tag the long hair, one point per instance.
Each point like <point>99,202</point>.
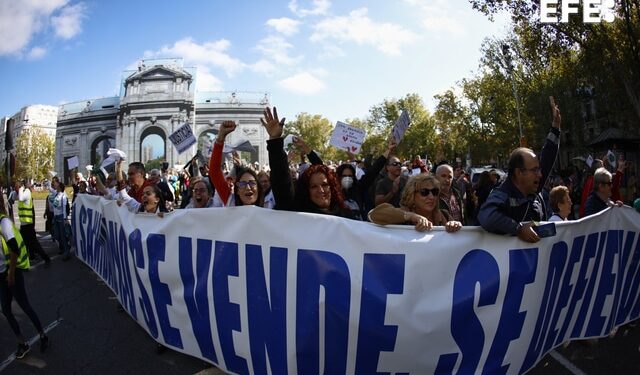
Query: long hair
<point>162,204</point>
<point>303,199</point>
<point>239,172</point>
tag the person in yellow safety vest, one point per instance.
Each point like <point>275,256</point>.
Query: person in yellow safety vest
<point>14,260</point>
<point>27,216</point>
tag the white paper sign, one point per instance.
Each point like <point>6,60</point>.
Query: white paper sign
<point>401,126</point>
<point>347,137</point>
<point>589,161</point>
<point>611,157</point>
<point>183,138</point>
<point>73,162</point>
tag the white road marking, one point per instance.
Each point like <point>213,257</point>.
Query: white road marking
<point>31,341</point>
<point>566,363</point>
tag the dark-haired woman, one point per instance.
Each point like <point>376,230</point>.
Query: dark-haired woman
<point>317,189</point>
<point>152,201</point>
<point>246,189</point>
<point>354,190</point>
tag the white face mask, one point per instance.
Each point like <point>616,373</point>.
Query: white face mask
<point>347,182</point>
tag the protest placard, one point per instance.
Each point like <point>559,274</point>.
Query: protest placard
<point>183,138</point>
<point>401,126</point>
<point>347,137</point>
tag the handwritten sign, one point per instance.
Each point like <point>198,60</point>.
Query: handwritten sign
<point>183,138</point>
<point>73,162</point>
<point>401,126</point>
<point>347,137</point>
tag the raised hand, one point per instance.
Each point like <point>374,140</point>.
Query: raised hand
<point>271,123</point>
<point>225,128</point>
<point>391,146</point>
<point>555,113</point>
<point>301,145</point>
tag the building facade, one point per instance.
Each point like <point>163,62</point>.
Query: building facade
<point>155,100</point>
<point>38,115</point>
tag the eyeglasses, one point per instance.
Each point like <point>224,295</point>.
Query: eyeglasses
<point>532,170</point>
<point>395,164</point>
<point>200,190</point>
<point>244,184</point>
<point>425,192</point>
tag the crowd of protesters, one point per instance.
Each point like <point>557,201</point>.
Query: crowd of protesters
<point>385,190</point>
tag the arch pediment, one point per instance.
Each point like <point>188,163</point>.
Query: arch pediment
<point>159,72</point>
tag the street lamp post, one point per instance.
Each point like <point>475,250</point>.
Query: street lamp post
<point>509,61</point>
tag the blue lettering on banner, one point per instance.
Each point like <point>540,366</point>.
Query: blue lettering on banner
<point>631,285</point>
<point>586,303</point>
<point>382,274</point>
<point>161,293</point>
<point>82,240</point>
<point>127,296</point>
<point>566,288</point>
<point>267,309</point>
<point>622,267</point>
<point>605,285</point>
<point>135,246</point>
<point>522,266</point>
<point>318,270</point>
<point>196,296</point>
<point>225,264</point>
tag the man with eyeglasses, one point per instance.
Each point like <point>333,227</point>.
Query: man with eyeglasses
<point>389,188</point>
<point>600,197</point>
<point>512,207</point>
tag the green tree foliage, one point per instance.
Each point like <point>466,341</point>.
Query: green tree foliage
<point>608,54</point>
<point>154,163</point>
<point>420,138</point>
<point>35,154</point>
<point>314,129</point>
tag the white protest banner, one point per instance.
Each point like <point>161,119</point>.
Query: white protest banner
<point>183,138</point>
<point>347,137</point>
<point>73,162</point>
<point>401,126</point>
<point>363,299</point>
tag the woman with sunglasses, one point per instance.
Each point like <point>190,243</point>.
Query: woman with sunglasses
<point>247,191</point>
<point>317,190</point>
<point>418,206</point>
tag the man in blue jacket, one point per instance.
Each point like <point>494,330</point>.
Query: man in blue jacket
<point>512,207</point>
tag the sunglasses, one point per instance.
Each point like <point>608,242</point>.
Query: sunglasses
<point>425,192</point>
<point>396,164</point>
<point>244,184</point>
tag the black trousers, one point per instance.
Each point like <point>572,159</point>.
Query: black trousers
<point>19,293</point>
<point>28,232</point>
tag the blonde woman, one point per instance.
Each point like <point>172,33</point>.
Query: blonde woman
<point>418,206</point>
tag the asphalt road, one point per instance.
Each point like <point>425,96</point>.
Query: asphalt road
<point>90,336</point>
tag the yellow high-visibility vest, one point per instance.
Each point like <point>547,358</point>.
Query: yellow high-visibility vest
<point>23,257</point>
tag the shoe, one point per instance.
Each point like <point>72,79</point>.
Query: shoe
<point>47,264</point>
<point>66,257</point>
<point>44,343</point>
<point>23,349</point>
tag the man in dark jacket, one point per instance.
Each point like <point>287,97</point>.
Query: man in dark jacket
<point>512,207</point>
<point>600,197</point>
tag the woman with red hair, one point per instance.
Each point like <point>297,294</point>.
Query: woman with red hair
<point>317,189</point>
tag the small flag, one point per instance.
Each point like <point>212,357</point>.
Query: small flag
<point>611,157</point>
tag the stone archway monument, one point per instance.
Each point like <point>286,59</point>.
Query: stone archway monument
<point>156,99</point>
